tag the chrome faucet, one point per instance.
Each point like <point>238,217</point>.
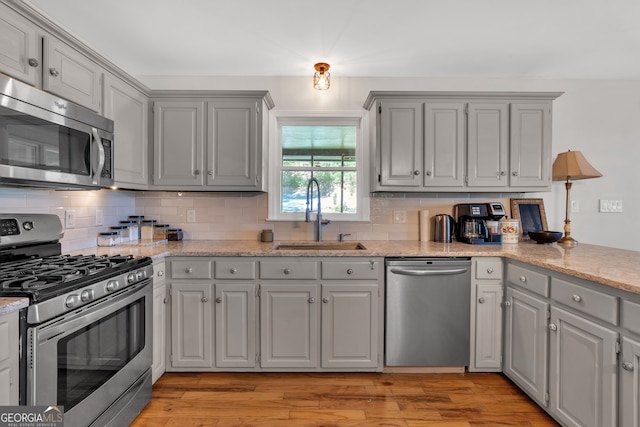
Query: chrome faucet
<point>319,222</point>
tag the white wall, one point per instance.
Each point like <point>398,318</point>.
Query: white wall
<point>598,117</point>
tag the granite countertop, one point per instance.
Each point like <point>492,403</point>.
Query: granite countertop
<point>608,266</point>
<point>10,304</point>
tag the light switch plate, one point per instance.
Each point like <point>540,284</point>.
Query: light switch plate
<point>99,217</point>
<point>191,215</point>
<point>69,218</point>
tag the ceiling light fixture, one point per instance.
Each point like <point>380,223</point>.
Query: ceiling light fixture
<point>321,78</point>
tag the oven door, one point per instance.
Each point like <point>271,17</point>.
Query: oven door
<point>90,358</point>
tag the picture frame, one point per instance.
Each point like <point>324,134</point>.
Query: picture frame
<point>531,214</point>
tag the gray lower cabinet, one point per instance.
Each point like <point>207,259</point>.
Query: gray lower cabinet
<point>284,313</point>
<point>525,343</point>
<point>9,358</point>
<point>630,383</point>
<point>159,320</point>
<point>582,371</point>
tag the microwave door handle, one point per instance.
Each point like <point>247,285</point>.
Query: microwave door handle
<point>101,156</point>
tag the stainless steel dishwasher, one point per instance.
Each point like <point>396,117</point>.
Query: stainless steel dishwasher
<point>427,311</point>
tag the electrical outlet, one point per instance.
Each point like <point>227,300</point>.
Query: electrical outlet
<point>99,217</point>
<point>69,218</point>
<point>191,215</point>
<point>611,206</point>
<point>575,206</point>
<point>399,217</point>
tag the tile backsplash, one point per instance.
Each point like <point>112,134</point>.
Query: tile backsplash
<point>225,216</point>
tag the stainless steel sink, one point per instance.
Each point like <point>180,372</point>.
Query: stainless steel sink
<point>322,246</point>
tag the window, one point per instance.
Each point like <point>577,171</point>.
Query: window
<point>329,149</point>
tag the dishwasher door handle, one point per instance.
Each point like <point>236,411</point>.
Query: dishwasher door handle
<point>428,272</point>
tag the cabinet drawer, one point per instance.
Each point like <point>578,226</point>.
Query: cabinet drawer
<point>350,270</point>
<point>589,301</point>
<point>631,316</point>
<point>528,279</point>
<point>489,269</point>
<point>289,270</point>
<point>191,269</point>
<point>235,270</point>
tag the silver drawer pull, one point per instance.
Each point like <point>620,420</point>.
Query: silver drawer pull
<point>523,279</point>
<point>490,270</point>
<point>325,300</point>
<point>161,273</point>
<point>350,271</point>
<point>54,72</point>
<point>312,300</point>
<point>219,300</point>
<point>205,299</point>
<point>233,270</point>
<point>507,303</point>
<point>627,366</point>
<point>33,62</point>
<point>576,298</point>
<point>287,271</point>
<point>189,270</point>
<point>481,300</point>
<point>553,327</point>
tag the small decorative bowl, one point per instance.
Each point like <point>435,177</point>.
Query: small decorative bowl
<point>545,236</point>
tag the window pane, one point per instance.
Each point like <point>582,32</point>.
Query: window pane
<point>337,189</point>
<point>322,145</point>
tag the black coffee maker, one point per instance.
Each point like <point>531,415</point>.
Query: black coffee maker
<point>471,222</point>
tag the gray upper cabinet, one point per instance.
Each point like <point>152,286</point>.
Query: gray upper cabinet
<point>462,141</point>
<point>21,47</point>
<point>128,108</point>
<point>71,75</point>
<point>209,141</point>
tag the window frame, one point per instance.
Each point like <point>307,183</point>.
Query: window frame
<point>311,118</point>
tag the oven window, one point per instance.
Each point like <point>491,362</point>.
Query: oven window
<point>92,355</point>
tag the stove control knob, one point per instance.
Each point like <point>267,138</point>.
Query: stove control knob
<point>112,286</point>
<point>140,275</point>
<point>27,225</point>
<point>131,277</point>
<point>86,295</point>
<point>72,301</point>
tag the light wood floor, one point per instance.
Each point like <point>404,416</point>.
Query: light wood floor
<point>330,399</point>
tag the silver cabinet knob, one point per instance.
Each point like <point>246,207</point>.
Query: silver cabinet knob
<point>325,300</point>
<point>233,270</point>
<point>553,327</point>
<point>188,270</point>
<point>164,301</point>
<point>287,271</point>
<point>54,72</point>
<point>523,279</point>
<point>350,271</point>
<point>219,300</point>
<point>416,173</point>
<point>428,173</point>
<point>502,173</point>
<point>490,270</point>
<point>627,366</point>
<point>210,172</point>
<point>205,299</point>
<point>514,173</point>
<point>507,303</point>
<point>33,62</point>
<point>481,300</point>
<point>312,300</point>
<point>196,172</point>
<point>576,298</point>
<point>161,273</point>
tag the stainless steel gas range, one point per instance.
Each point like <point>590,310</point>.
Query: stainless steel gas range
<point>86,334</point>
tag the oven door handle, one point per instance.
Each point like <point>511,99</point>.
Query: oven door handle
<point>86,315</point>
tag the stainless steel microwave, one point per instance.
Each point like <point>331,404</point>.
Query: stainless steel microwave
<point>47,141</point>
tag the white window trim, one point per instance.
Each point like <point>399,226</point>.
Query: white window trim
<point>360,120</point>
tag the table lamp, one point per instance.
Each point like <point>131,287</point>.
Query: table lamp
<point>567,167</point>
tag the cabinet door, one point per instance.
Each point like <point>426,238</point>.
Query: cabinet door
<point>349,326</point>
<point>235,325</point>
<point>20,50</point>
<point>486,347</point>
<point>444,144</point>
<point>71,75</point>
<point>178,143</point>
<point>530,161</point>
<point>191,325</point>
<point>525,347</point>
<point>159,329</point>
<point>289,326</point>
<point>401,144</point>
<point>582,372</point>
<point>630,383</point>
<point>127,107</point>
<point>9,342</point>
<point>232,144</point>
<point>488,145</point>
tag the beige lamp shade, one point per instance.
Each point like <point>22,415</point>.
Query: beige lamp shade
<point>571,166</point>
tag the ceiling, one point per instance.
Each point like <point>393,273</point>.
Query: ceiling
<point>592,39</point>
